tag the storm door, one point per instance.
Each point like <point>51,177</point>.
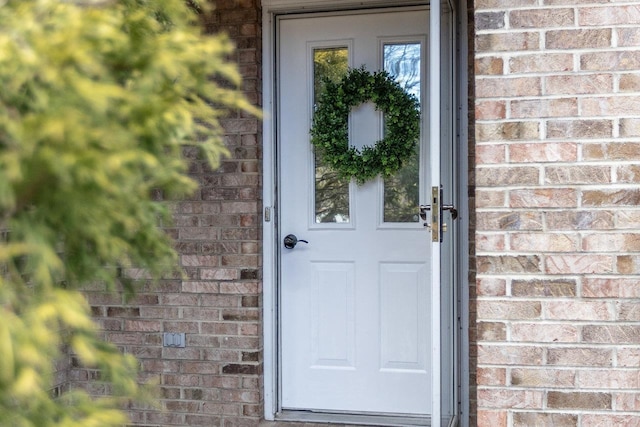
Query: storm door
<point>355,261</point>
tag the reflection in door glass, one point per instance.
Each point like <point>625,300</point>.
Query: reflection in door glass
<point>401,191</point>
<point>331,192</point>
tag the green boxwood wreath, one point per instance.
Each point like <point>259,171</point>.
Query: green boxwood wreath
<point>330,129</point>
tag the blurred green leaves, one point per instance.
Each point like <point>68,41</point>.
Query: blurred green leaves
<point>98,99</point>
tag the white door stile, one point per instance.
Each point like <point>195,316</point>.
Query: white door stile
<point>434,144</point>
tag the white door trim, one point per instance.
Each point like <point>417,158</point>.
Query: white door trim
<point>269,236</point>
<point>270,242</point>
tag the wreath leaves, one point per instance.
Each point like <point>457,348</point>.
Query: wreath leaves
<point>330,129</point>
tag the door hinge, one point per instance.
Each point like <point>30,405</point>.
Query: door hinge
<point>267,214</point>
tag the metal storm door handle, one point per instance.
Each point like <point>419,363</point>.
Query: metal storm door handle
<point>452,209</point>
<point>437,226</point>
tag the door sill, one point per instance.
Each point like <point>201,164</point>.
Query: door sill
<point>352,419</point>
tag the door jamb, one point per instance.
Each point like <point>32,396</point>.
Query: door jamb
<point>461,157</point>
<point>269,229</point>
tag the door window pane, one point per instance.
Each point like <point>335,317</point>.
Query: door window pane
<point>401,191</point>
<point>331,192</point>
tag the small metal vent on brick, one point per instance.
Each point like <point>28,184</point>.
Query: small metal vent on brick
<point>173,339</point>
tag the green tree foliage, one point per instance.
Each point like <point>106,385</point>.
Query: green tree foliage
<point>97,100</point>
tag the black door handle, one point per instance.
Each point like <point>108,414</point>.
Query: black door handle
<point>290,241</point>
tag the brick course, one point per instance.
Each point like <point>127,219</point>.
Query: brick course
<point>557,212</point>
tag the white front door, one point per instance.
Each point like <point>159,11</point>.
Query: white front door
<point>355,308</point>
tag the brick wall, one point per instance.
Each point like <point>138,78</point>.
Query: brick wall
<point>216,379</point>
<point>558,217</point>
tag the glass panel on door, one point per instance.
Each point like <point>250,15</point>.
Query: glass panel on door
<point>331,191</point>
<point>402,191</point>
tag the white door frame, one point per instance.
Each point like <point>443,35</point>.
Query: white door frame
<point>271,8</point>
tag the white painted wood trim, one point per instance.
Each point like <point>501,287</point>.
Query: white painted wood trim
<point>269,231</point>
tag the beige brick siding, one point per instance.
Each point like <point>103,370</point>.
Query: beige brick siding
<point>557,212</point>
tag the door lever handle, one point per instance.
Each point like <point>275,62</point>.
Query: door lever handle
<point>437,226</point>
<point>290,241</point>
<point>423,211</point>
<point>452,209</point>
<point>426,208</point>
